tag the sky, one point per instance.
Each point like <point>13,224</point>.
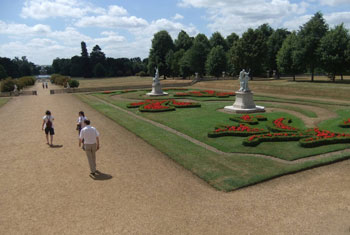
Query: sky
<point>43,30</point>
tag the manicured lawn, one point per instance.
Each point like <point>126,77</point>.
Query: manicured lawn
<point>222,172</point>
<point>197,122</point>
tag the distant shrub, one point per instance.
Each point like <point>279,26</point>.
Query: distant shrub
<point>73,83</point>
<point>7,85</point>
<point>141,74</point>
<point>59,79</point>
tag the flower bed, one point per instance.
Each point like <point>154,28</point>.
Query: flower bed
<point>323,137</point>
<point>127,91</point>
<point>345,123</point>
<point>108,92</point>
<point>161,105</point>
<point>205,93</point>
<point>280,125</point>
<point>249,119</point>
<point>240,130</point>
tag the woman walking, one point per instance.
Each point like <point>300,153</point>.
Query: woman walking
<point>48,127</point>
<point>80,121</point>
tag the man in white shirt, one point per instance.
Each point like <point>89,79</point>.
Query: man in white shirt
<point>91,144</point>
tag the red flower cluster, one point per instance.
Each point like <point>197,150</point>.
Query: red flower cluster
<point>161,104</point>
<point>107,92</point>
<point>240,128</point>
<point>347,122</point>
<point>324,134</point>
<point>279,124</point>
<point>157,105</point>
<point>246,118</point>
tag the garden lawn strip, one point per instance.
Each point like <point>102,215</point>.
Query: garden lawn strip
<point>3,101</point>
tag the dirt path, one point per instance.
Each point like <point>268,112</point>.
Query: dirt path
<point>48,191</point>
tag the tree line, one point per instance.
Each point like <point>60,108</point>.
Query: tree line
<point>96,64</point>
<point>17,67</point>
<point>313,48</point>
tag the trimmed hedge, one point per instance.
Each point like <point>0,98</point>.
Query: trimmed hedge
<point>345,123</point>
<point>272,137</point>
<point>240,130</point>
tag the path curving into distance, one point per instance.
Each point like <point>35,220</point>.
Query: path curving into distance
<point>47,190</point>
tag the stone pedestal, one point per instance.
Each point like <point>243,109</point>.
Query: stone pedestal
<point>244,104</point>
<point>156,90</point>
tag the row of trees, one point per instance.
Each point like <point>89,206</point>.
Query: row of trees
<point>96,64</point>
<point>16,67</point>
<point>313,47</point>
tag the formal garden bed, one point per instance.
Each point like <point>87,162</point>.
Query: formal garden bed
<point>277,134</point>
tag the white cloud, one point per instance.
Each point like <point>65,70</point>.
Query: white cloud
<point>109,21</point>
<point>334,2</point>
<point>23,30</point>
<point>229,16</point>
<point>178,17</point>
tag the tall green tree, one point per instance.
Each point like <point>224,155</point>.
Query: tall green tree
<point>311,34</point>
<point>217,39</point>
<point>3,73</point>
<point>99,70</point>
<point>97,56</point>
<point>162,43</point>
<point>87,69</point>
<point>274,44</point>
<point>76,69</point>
<point>249,52</point>
<point>231,39</point>
<point>216,62</point>
<point>197,55</point>
<point>332,51</point>
<point>183,41</point>
<point>290,57</point>
<point>185,65</point>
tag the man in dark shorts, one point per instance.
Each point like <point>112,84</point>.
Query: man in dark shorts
<point>48,127</point>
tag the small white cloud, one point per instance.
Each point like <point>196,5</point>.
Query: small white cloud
<point>178,17</point>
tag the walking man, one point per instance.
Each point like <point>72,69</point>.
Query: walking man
<point>91,144</point>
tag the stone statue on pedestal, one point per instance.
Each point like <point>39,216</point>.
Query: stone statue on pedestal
<point>243,81</point>
<point>156,87</point>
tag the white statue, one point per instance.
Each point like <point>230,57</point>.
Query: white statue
<point>243,81</point>
<point>156,76</point>
<point>15,88</point>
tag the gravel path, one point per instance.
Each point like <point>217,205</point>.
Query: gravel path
<point>47,190</point>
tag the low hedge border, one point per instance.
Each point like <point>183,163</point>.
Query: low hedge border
<point>249,119</point>
<point>240,130</point>
<point>316,142</point>
<point>272,137</point>
<point>345,123</point>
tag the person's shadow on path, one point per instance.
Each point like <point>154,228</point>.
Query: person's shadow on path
<point>102,176</point>
<point>56,146</point>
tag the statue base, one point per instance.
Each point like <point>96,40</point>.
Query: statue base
<point>244,104</point>
<point>156,90</point>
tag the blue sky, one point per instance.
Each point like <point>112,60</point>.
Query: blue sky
<point>45,29</point>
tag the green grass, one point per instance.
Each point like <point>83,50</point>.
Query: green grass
<point>305,112</point>
<point>332,124</point>
<point>225,173</point>
<point>3,101</point>
<point>197,122</point>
